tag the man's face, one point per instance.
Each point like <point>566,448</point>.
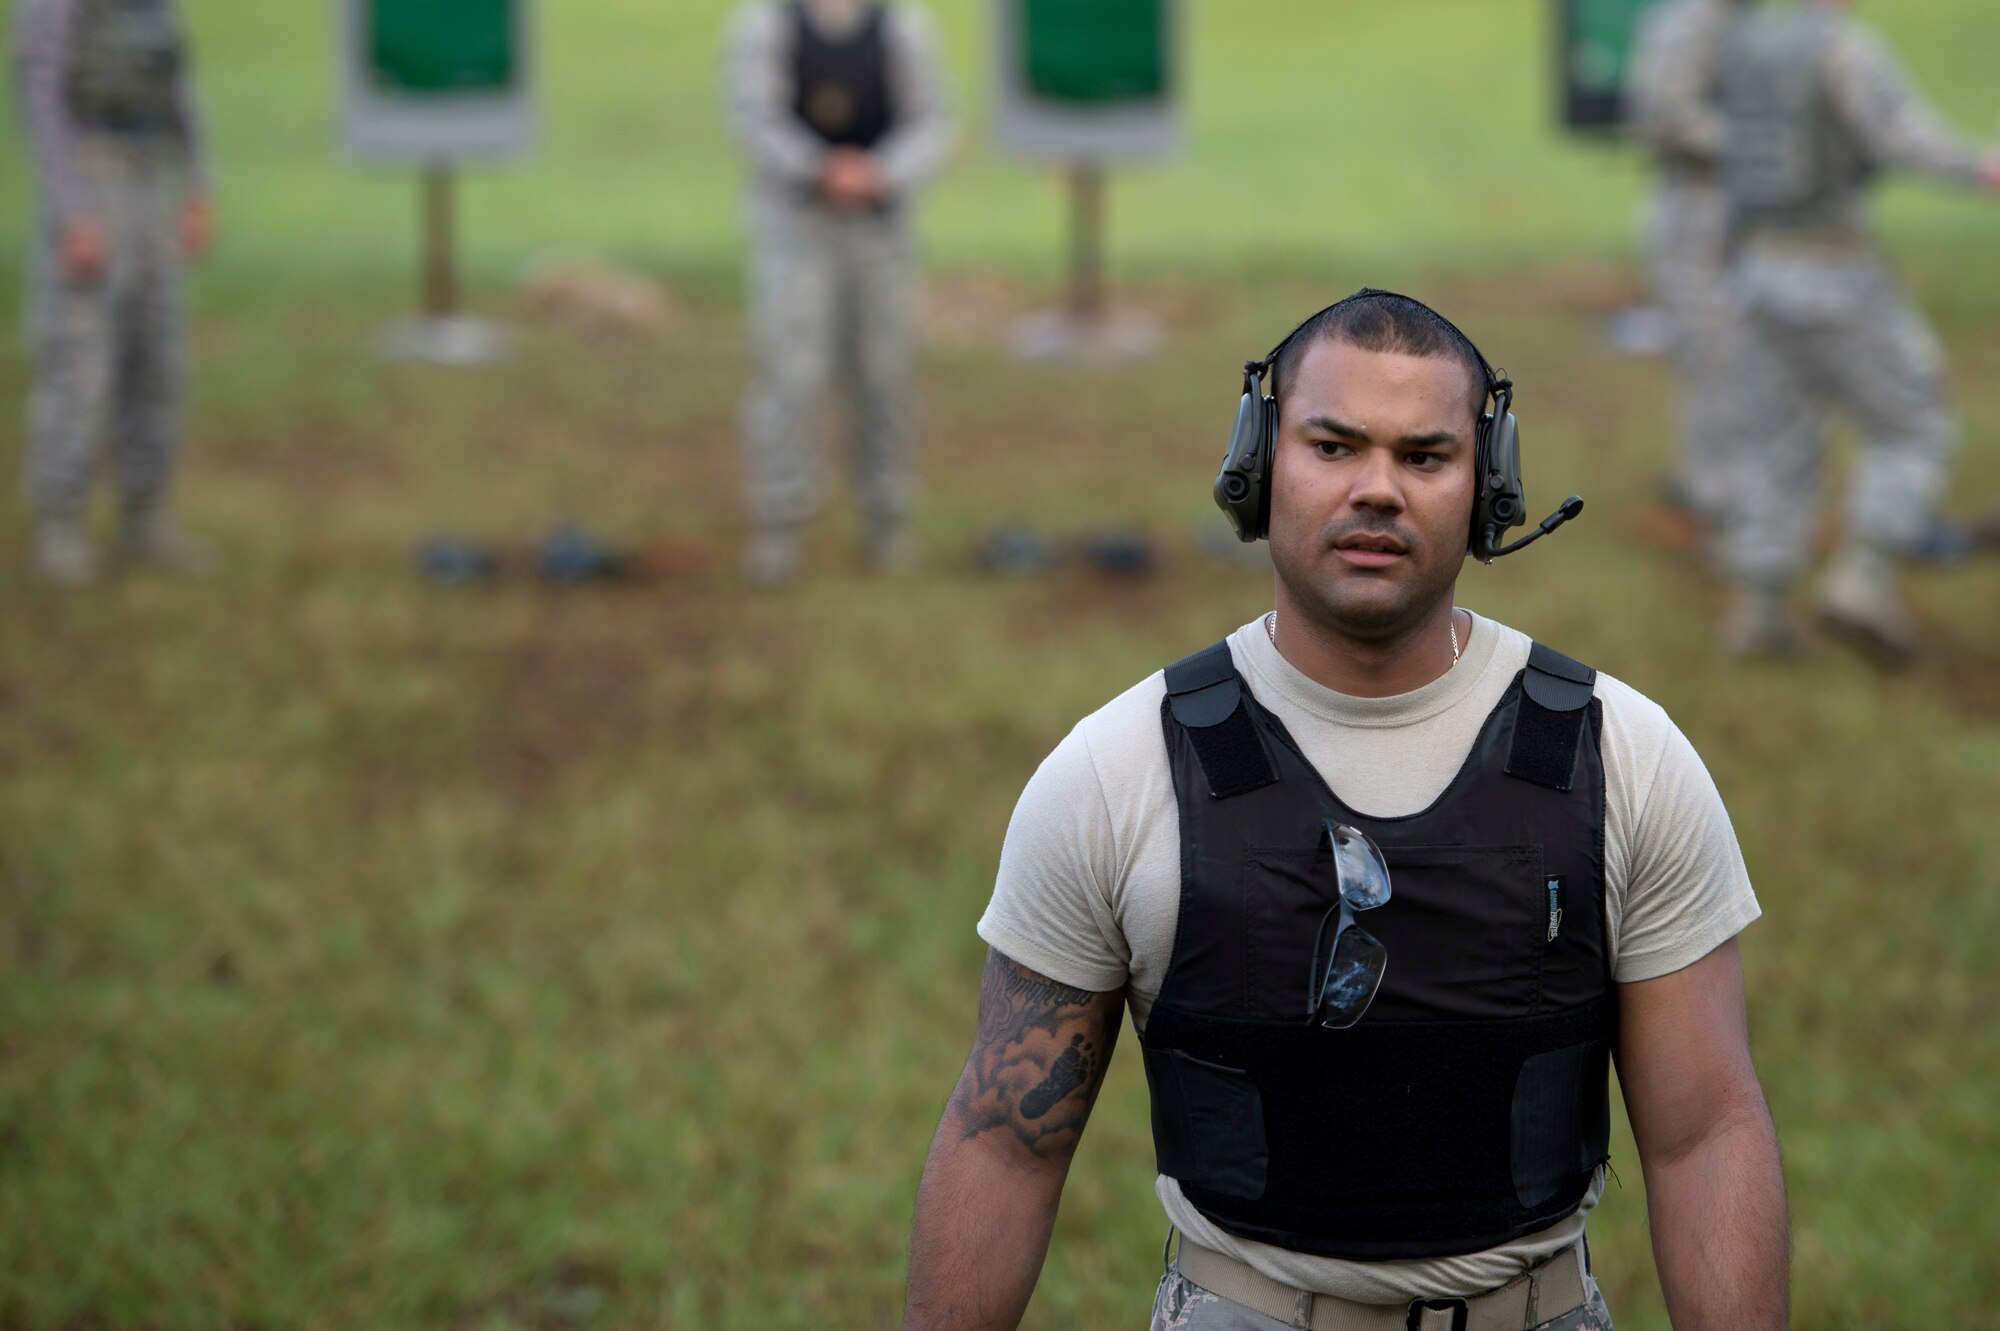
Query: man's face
<point>1371,485</point>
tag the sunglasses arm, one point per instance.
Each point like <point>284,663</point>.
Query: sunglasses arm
<point>1312,976</point>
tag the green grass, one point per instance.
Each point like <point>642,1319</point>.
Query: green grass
<point>377,955</point>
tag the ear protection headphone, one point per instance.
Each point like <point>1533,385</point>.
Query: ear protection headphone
<point>1243,486</point>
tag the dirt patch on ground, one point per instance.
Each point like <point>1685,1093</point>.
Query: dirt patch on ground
<point>581,672</point>
<point>314,471</point>
<point>1074,600</point>
<point>1961,672</point>
<point>595,299</point>
<point>976,308</point>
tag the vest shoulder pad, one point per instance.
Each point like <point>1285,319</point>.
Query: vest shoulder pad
<point>1559,683</point>
<point>1203,689</point>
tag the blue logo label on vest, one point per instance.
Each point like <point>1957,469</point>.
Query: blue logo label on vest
<point>1555,888</point>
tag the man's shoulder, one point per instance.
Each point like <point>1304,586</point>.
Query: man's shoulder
<point>1628,709</point>
<point>35,17</point>
<point>759,20</point>
<point>1849,48</point>
<point>909,23</point>
<point>1128,729</point>
<point>1681,19</point>
<point>1128,719</point>
<point>1628,713</point>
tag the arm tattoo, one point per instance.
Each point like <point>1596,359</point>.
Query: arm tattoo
<point>1038,1060</point>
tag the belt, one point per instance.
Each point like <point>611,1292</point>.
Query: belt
<point>1538,1295</point>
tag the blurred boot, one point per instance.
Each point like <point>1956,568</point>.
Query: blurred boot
<point>772,557</point>
<point>1859,604</point>
<point>1944,541</point>
<point>1760,626</point>
<point>891,550</point>
<point>157,541</point>
<point>62,553</point>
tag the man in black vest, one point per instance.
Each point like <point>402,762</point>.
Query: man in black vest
<point>840,109</point>
<point>1562,884</point>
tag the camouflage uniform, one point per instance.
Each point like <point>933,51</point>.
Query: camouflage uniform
<point>1676,113</point>
<point>116,139</point>
<point>1816,107</point>
<point>831,291</point>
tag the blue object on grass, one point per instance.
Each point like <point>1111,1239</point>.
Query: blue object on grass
<point>454,560</point>
<point>571,554</point>
<point>1120,552</point>
<point>1016,552</point>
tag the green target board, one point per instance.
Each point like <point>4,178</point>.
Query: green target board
<point>1095,51</point>
<point>1087,80</point>
<point>442,46</point>
<point>437,80</point>
<point>1594,54</point>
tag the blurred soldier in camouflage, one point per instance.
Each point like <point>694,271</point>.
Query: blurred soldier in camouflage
<point>112,125</point>
<point>840,108</point>
<point>1816,106</point>
<point>1676,112</point>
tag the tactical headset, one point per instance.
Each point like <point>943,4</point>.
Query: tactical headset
<point>1243,486</point>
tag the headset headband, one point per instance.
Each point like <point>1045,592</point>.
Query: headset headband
<point>1496,384</point>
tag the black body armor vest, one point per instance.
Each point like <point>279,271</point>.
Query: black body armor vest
<point>125,67</point>
<point>1469,1106</point>
<point>842,91</point>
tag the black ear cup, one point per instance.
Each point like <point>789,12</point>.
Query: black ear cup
<point>1243,487</point>
<point>1500,502</point>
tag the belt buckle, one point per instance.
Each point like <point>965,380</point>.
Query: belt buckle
<point>1458,1308</point>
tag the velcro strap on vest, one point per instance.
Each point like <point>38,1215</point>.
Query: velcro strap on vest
<point>1556,693</point>
<point>1206,696</point>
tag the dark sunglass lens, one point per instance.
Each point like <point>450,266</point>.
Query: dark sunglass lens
<point>1352,977</point>
<point>1364,877</point>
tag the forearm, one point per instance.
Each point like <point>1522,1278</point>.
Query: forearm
<point>42,54</point>
<point>758,104</point>
<point>1720,1235</point>
<point>917,148</point>
<point>1002,1150</point>
<point>984,1214</point>
<point>1898,127</point>
<point>194,132</point>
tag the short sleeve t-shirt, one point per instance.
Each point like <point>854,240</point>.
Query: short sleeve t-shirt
<point>1088,891</point>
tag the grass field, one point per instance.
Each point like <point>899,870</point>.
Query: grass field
<point>379,955</point>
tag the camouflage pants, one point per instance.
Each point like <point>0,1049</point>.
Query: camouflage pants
<point>1826,333</point>
<point>1687,244</point>
<point>107,350</point>
<point>830,297</point>
<point>1181,1305</point>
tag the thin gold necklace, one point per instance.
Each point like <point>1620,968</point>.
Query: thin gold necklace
<point>1271,632</point>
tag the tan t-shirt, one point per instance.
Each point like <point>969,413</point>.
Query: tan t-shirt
<point>1089,885</point>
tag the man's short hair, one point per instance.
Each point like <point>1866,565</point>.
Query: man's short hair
<point>1383,321</point>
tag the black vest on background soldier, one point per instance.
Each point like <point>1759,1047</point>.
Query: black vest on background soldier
<point>1789,162</point>
<point>842,89</point>
<point>126,66</point>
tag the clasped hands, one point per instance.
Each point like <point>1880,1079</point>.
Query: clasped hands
<point>852,179</point>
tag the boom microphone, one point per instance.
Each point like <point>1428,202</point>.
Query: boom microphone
<point>1570,508</point>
